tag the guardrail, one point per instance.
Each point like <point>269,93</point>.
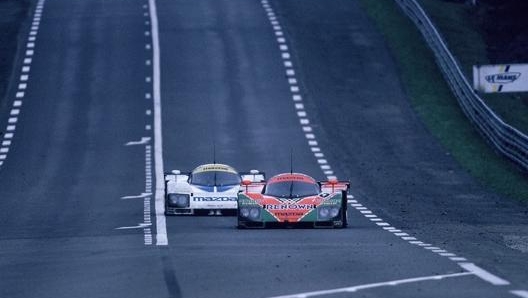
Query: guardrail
<point>502,136</point>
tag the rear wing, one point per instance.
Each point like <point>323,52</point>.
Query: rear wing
<point>253,176</point>
<point>332,186</point>
<point>252,181</point>
<point>176,176</point>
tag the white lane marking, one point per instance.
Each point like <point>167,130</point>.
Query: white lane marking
<point>484,275</point>
<point>520,293</point>
<point>141,196</point>
<point>408,238</point>
<point>139,226</point>
<point>161,225</point>
<point>22,84</point>
<point>144,140</point>
<point>447,254</point>
<point>374,285</point>
<point>458,259</point>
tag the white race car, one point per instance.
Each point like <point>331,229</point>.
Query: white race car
<point>210,188</point>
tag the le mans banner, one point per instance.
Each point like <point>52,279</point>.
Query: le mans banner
<point>500,78</point>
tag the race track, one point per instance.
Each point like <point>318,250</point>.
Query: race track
<point>109,94</point>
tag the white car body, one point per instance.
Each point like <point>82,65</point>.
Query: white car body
<point>182,196</point>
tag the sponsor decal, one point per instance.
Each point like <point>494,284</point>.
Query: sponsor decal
<point>503,78</point>
<point>214,199</point>
<point>289,206</point>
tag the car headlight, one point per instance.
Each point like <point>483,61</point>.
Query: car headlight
<point>323,213</point>
<point>254,213</point>
<point>244,212</point>
<point>334,211</point>
<point>327,212</point>
<point>179,200</point>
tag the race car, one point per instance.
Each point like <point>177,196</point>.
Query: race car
<point>209,188</point>
<point>293,200</point>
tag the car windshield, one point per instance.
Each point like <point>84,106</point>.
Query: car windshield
<point>291,189</point>
<point>215,178</point>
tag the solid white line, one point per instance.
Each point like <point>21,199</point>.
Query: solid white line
<point>374,285</point>
<point>161,226</point>
<point>483,274</point>
<point>520,293</point>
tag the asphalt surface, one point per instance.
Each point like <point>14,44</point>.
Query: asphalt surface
<point>77,198</point>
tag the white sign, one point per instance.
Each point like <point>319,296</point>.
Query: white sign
<point>501,78</point>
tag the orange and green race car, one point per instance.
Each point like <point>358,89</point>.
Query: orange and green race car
<point>293,200</point>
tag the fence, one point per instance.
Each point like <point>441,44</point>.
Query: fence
<point>502,136</point>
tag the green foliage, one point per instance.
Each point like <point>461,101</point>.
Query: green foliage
<point>434,102</point>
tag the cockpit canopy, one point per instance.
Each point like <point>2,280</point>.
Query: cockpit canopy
<point>214,175</point>
<point>291,186</point>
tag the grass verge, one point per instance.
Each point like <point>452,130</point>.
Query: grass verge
<point>459,26</point>
<point>12,14</point>
<point>437,107</point>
